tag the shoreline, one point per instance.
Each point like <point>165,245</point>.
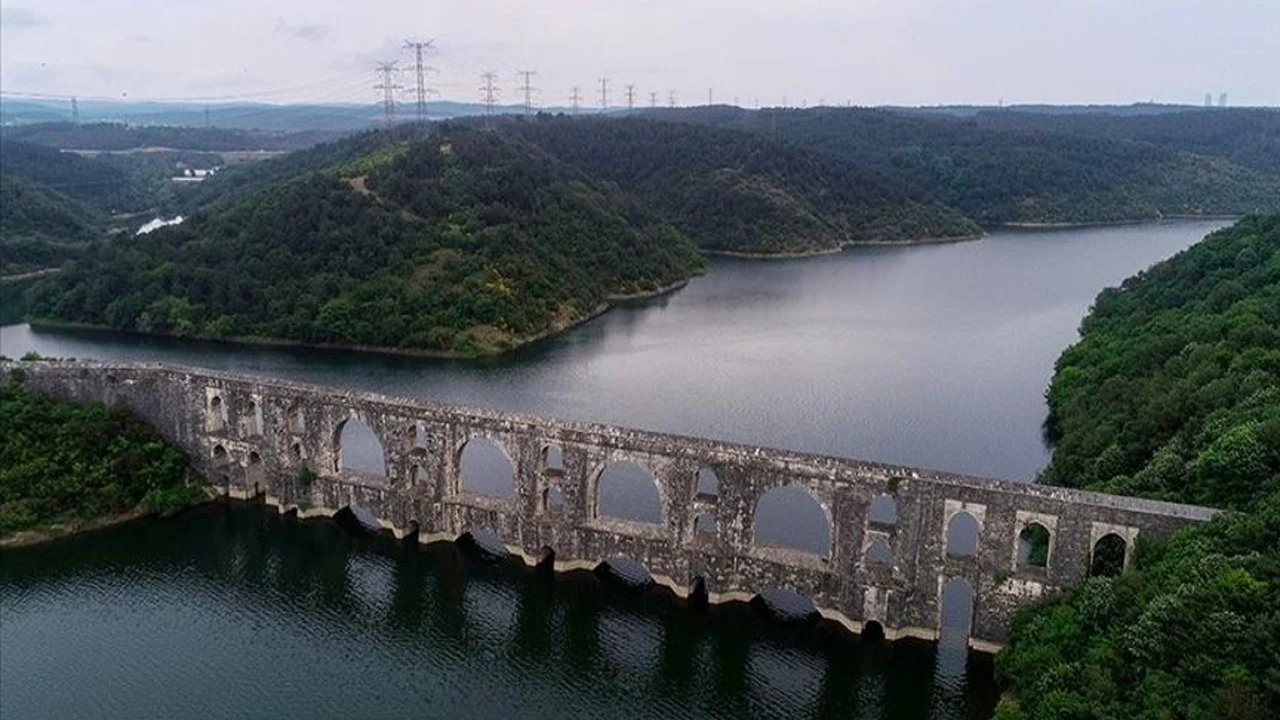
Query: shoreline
<point>1109,223</point>
<point>57,531</point>
<point>844,246</point>
<point>521,343</point>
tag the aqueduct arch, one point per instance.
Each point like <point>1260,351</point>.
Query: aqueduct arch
<point>862,505</point>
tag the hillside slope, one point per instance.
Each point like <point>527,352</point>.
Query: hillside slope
<point>460,241</point>
<point>734,192</point>
<point>1035,171</point>
<point>1172,392</point>
<point>41,227</point>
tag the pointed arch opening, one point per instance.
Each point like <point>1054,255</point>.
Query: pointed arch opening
<point>1033,547</point>
<point>627,491</point>
<point>552,458</point>
<point>485,469</point>
<point>552,499</point>
<point>359,449</point>
<point>255,474</point>
<point>216,416</point>
<point>252,419</point>
<point>421,441</point>
<point>708,483</point>
<point>883,510</point>
<point>962,535</point>
<point>789,517</point>
<point>879,554</point>
<point>1108,556</point>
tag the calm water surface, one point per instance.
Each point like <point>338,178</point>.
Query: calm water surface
<point>934,356</point>
<point>232,611</point>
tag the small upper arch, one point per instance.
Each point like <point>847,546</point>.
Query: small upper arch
<point>1034,546</point>
<point>962,535</point>
<point>708,482</point>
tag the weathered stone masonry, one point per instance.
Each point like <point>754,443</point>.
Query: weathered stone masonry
<point>252,436</point>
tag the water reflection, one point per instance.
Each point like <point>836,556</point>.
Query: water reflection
<point>232,610</point>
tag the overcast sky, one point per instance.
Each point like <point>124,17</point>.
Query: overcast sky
<point>868,52</point>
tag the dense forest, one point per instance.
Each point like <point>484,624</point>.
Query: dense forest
<point>734,192</point>
<point>113,184</point>
<point>119,136</point>
<point>1172,392</point>
<point>471,250</point>
<point>1038,169</point>
<point>65,464</point>
<point>41,227</point>
<point>54,204</point>
<point>458,241</point>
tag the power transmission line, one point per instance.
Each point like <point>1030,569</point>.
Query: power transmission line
<point>575,98</point>
<point>388,86</point>
<point>604,94</point>
<point>490,92</point>
<point>528,89</point>
<point>671,98</point>
<point>709,102</point>
<point>418,47</point>
<point>631,97</point>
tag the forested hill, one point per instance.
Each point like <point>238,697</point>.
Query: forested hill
<point>1172,392</point>
<point>119,136</point>
<point>53,204</point>
<point>1178,358</point>
<point>731,191</point>
<point>458,241</point>
<point>1042,169</point>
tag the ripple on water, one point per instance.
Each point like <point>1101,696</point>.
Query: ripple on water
<point>232,611</point>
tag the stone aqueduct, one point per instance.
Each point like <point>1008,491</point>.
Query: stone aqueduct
<point>252,436</point>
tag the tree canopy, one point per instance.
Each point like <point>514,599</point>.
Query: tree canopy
<point>66,463</point>
<point>460,241</point>
<point>1172,392</point>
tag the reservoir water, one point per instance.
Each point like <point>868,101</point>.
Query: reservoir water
<point>934,356</point>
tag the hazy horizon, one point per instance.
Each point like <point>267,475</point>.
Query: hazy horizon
<point>875,52</point>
